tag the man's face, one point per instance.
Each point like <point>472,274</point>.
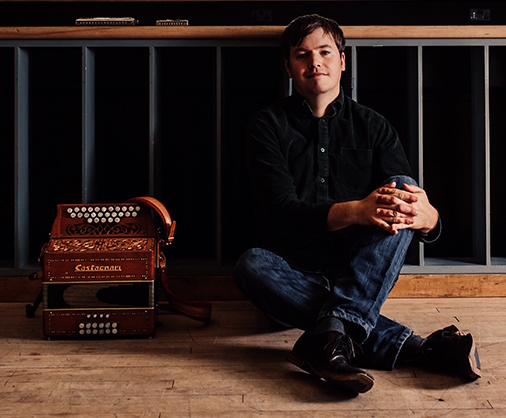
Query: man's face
<point>316,65</point>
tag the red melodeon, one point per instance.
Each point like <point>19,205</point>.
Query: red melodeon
<point>100,267</point>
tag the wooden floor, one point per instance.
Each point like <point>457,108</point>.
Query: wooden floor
<point>236,367</point>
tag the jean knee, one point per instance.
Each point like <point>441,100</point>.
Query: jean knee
<point>400,180</point>
<point>246,267</point>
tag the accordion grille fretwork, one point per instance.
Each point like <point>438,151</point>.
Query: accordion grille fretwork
<point>99,244</point>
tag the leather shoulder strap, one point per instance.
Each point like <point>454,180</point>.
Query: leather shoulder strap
<point>198,310</point>
<point>168,224</point>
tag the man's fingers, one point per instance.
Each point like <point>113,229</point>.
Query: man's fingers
<point>386,226</point>
<point>396,199</point>
<point>407,195</point>
<point>393,216</point>
<point>412,188</point>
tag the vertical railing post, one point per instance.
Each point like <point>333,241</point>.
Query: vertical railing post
<point>354,73</point>
<point>21,159</point>
<point>480,137</point>
<point>154,122</point>
<point>421,252</point>
<point>88,126</point>
<point>218,159</point>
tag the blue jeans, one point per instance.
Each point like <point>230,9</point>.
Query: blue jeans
<point>366,269</point>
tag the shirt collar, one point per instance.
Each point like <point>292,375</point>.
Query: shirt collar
<point>304,109</point>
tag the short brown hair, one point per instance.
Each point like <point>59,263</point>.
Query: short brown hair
<point>300,27</point>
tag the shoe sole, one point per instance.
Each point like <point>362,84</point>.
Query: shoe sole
<point>474,370</point>
<point>356,382</point>
<point>474,362</point>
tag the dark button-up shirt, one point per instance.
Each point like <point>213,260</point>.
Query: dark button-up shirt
<point>301,164</point>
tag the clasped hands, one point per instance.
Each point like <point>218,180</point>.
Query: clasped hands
<point>394,209</point>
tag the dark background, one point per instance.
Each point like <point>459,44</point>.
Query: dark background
<point>405,12</point>
<point>253,77</point>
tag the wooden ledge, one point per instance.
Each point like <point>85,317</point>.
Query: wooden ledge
<point>141,32</point>
<point>245,32</point>
<point>21,289</point>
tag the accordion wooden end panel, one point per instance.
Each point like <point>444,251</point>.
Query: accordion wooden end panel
<point>99,271</point>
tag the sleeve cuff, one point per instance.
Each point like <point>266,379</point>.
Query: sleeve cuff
<point>431,236</point>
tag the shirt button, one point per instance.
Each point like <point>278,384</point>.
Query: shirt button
<point>322,149</point>
<point>322,180</point>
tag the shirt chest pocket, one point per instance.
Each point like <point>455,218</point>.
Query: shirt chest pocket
<point>355,170</point>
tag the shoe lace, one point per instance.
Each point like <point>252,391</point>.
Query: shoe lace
<point>342,345</point>
<point>447,335</point>
<point>451,334</point>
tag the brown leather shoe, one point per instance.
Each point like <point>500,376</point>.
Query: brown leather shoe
<point>328,356</point>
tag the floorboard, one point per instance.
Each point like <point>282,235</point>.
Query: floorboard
<point>236,367</point>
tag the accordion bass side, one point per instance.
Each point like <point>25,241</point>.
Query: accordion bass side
<point>99,269</point>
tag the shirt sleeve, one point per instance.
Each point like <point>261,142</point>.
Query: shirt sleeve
<point>389,157</point>
<point>431,236</point>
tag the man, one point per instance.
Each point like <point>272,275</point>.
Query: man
<point>338,209</point>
